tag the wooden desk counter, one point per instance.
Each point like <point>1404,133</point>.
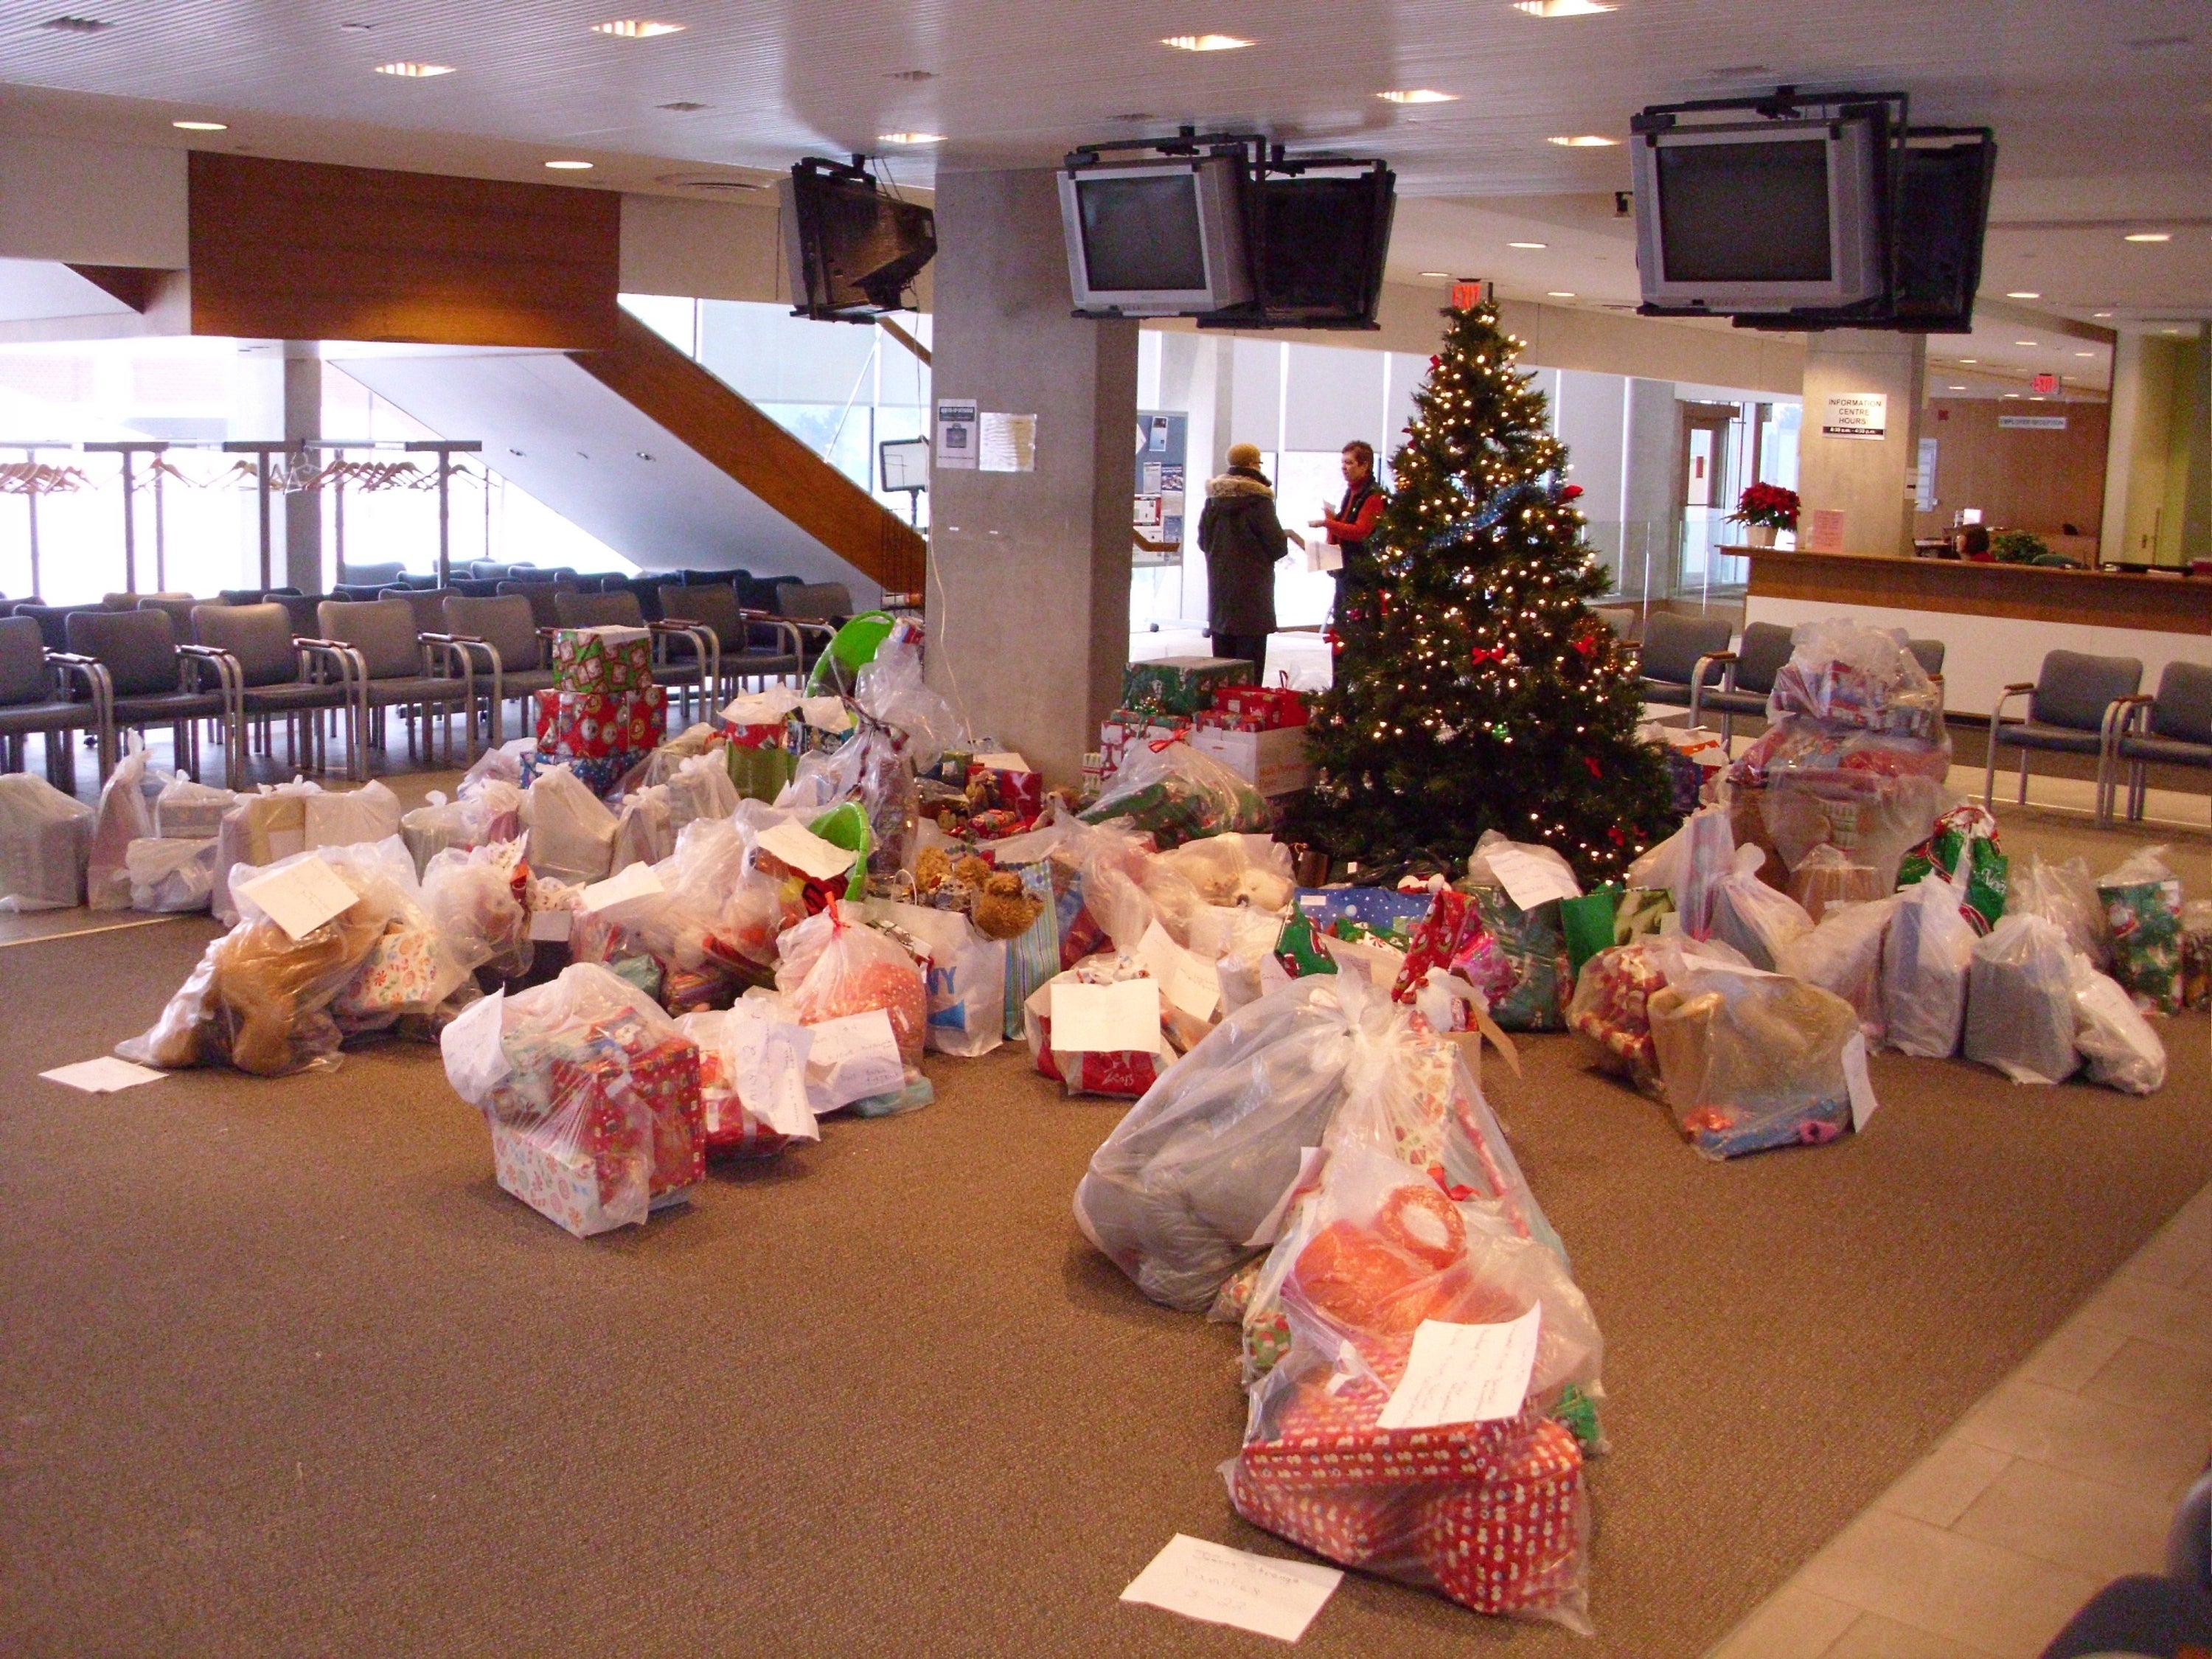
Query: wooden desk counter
<point>1996,620</point>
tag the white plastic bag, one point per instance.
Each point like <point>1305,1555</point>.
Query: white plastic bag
<point>2020,1002</point>
<point>1843,954</point>
<point>643,832</point>
<point>370,813</point>
<point>171,876</point>
<point>259,831</point>
<point>471,894</point>
<point>127,814</point>
<point>1751,1060</point>
<point>43,838</point>
<point>1924,960</point>
<point>1752,916</point>
<point>186,810</point>
<point>571,832</point>
<point>890,689</point>
<point>2122,1050</point>
<point>834,964</point>
<point>2066,895</point>
<point>966,976</point>
<point>752,1077</point>
<point>700,788</point>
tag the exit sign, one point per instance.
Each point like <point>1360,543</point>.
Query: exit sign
<point>2044,384</point>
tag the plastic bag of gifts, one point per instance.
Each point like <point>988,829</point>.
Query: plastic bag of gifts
<point>1828,875</point>
<point>44,836</point>
<point>591,1093</point>
<point>170,877</point>
<point>966,975</point>
<point>1516,958</point>
<point>1611,1007</point>
<point>2121,1050</point>
<point>836,967</point>
<point>1963,847</point>
<point>1924,961</point>
<point>645,831</point>
<point>186,810</point>
<point>1175,793</point>
<point>1843,954</point>
<point>490,812</point>
<point>125,814</point>
<point>1098,1028</point>
<point>479,899</point>
<point>2064,893</point>
<point>1750,1061</point>
<point>752,1078</point>
<point>572,833</point>
<point>2020,1002</point>
<point>259,830</point>
<point>1369,1443</point>
<point>2143,909</point>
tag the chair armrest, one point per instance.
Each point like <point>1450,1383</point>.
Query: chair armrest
<point>1726,659</point>
<point>1996,715</point>
<point>2022,685</point>
<point>190,657</point>
<point>338,654</point>
<point>99,684</point>
<point>2118,714</point>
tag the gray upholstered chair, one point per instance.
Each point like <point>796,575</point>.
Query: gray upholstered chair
<point>1929,653</point>
<point>372,575</point>
<point>501,638</point>
<point>1679,655</point>
<point>2173,728</point>
<point>748,645</point>
<point>622,609</point>
<point>542,597</point>
<point>178,604</point>
<point>1747,676</point>
<point>394,667</point>
<point>281,675</point>
<point>35,699</point>
<point>53,620</point>
<point>2074,703</point>
<point>152,680</point>
<point>428,605</point>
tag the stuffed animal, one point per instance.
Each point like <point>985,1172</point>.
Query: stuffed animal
<point>1003,910</point>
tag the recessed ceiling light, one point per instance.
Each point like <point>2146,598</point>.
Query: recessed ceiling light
<point>2169,331</point>
<point>1528,244</point>
<point>570,166</point>
<point>1561,294</point>
<point>2085,354</point>
<point>1958,388</point>
<point>201,126</point>
<point>636,29</point>
<point>2023,293</point>
<point>2037,400</point>
<point>1963,362</point>
<point>1436,273</point>
<point>2025,342</point>
<point>415,72</point>
<point>1585,141</point>
<point>1206,42</point>
<point>1562,7</point>
<point>909,137</point>
<point>2147,236</point>
<point>1419,95</point>
<point>2014,396</point>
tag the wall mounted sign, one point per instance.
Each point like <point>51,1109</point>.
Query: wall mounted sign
<point>2032,422</point>
<point>956,435</point>
<point>1008,443</point>
<point>2044,384</point>
<point>1855,414</point>
<point>1156,525</point>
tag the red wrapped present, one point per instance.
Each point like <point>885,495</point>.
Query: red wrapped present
<point>1271,707</point>
<point>1021,793</point>
<point>611,660</point>
<point>592,725</point>
<point>1322,1439</point>
<point>1359,1527</point>
<point>1515,1541</point>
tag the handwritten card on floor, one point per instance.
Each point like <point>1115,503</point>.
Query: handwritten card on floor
<point>103,1076</point>
<point>301,897</point>
<point>1221,1586</point>
<point>804,851</point>
<point>1106,1020</point>
<point>1465,1373</point>
<point>852,1058</point>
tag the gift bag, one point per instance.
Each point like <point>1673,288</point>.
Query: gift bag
<point>127,814</point>
<point>2020,1002</point>
<point>1924,960</point>
<point>1120,1073</point>
<point>1751,1060</point>
<point>1963,848</point>
<point>1527,977</point>
<point>2117,1042</point>
<point>834,964</point>
<point>966,979</point>
<point>45,837</point>
<point>1750,915</point>
<point>2143,908</point>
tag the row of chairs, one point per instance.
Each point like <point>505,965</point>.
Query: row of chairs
<point>1687,663</point>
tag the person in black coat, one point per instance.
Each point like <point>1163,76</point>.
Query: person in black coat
<point>1241,539</point>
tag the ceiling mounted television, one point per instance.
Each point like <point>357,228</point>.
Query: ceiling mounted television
<point>1943,216</point>
<point>1317,248</point>
<point>852,250</point>
<point>1762,217</point>
<point>1156,238</point>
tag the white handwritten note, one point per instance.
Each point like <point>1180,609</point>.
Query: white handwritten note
<point>1529,881</point>
<point>804,851</point>
<point>1221,1586</point>
<point>301,897</point>
<point>852,1058</point>
<point>1106,1020</point>
<point>632,881</point>
<point>103,1076</point>
<point>1464,1373</point>
<point>1189,983</point>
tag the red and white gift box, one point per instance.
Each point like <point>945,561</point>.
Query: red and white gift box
<point>1257,707</point>
<point>1515,1541</point>
<point>591,724</point>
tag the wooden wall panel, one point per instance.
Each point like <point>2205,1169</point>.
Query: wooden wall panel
<point>2038,481</point>
<point>301,250</point>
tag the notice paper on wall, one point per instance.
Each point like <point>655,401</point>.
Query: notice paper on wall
<point>1106,1020</point>
<point>301,897</point>
<point>1464,1373</point>
<point>1221,1586</point>
<point>1529,881</point>
<point>1826,534</point>
<point>103,1076</point>
<point>1008,443</point>
<point>804,851</point>
<point>955,434</point>
<point>1855,414</point>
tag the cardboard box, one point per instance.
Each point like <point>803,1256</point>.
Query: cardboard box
<point>1274,762</point>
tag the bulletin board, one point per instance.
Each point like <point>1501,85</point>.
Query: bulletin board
<point>1157,524</point>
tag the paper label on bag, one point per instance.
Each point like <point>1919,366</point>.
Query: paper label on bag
<point>854,1057</point>
<point>1857,1081</point>
<point>551,926</point>
<point>301,897</point>
<point>1106,1020</point>
<point>103,1076</point>
<point>1529,881</point>
<point>632,881</point>
<point>1465,1373</point>
<point>1007,761</point>
<point>804,851</point>
<point>1221,1586</point>
<point>1311,1158</point>
<point>1190,984</point>
<point>770,1057</point>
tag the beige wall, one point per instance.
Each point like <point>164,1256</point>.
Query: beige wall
<point>2020,480</point>
<point>1864,477</point>
<point>92,204</point>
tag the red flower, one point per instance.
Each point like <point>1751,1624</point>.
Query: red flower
<point>1594,770</point>
<point>1767,504</point>
<point>1571,492</point>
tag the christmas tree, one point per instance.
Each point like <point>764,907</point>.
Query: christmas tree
<point>1474,688</point>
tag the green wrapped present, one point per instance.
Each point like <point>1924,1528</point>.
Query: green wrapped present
<point>1181,685</point>
<point>1640,911</point>
<point>2142,903</point>
<point>1587,923</point>
<point>611,660</point>
<point>1538,981</point>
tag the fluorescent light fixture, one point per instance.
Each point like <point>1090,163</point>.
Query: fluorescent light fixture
<point>1206,42</point>
<point>1528,244</point>
<point>1436,273</point>
<point>1563,7</point>
<point>415,72</point>
<point>2100,314</point>
<point>2085,354</point>
<point>1584,140</point>
<point>1964,361</point>
<point>1958,388</point>
<point>2024,342</point>
<point>1560,294</point>
<point>2014,396</point>
<point>201,126</point>
<point>2169,331</point>
<point>636,29</point>
<point>570,166</point>
<point>2147,236</point>
<point>2023,293</point>
<point>909,137</point>
<point>1419,95</point>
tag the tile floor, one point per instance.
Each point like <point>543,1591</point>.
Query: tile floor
<point>2064,1477</point>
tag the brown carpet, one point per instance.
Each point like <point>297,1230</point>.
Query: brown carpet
<point>281,1372</point>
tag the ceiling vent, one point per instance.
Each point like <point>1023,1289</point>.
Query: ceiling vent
<point>76,25</point>
<point>684,107</point>
<point>711,184</point>
<point>911,75</point>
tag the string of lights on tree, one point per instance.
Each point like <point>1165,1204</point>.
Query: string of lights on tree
<point>1474,688</point>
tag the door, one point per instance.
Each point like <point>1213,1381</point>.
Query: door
<point>1702,497</point>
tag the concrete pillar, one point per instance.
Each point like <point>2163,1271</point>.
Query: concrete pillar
<point>299,556</point>
<point>1029,612</point>
<point>1648,490</point>
<point>1869,479</point>
<point>2158,463</point>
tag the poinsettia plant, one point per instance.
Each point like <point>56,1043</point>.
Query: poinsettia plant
<point>1766,504</point>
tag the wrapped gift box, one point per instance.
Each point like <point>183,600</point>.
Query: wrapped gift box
<point>588,725</point>
<point>609,660</point>
<point>1126,726</point>
<point>1356,1527</point>
<point>599,775</point>
<point>405,972</point>
<point>1325,1440</point>
<point>1181,685</point>
<point>1019,792</point>
<point>1274,761</point>
<point>1516,1539</point>
<point>1255,708</point>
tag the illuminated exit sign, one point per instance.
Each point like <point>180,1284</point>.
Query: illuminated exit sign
<point>2044,384</point>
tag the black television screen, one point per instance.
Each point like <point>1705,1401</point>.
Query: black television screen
<point>1319,244</point>
<point>852,250</point>
<point>1942,215</point>
<point>1142,234</point>
<point>1745,212</point>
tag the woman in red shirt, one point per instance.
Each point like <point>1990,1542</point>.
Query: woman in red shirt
<point>1350,526</point>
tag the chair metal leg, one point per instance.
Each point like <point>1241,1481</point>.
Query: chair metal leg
<point>2023,776</point>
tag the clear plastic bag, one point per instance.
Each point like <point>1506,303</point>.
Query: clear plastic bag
<point>1610,1010</point>
<point>592,1096</point>
<point>2143,908</point>
<point>1117,1074</point>
<point>1175,793</point>
<point>1228,870</point>
<point>645,831</point>
<point>1751,1060</point>
<point>572,833</point>
<point>370,813</point>
<point>1707,858</point>
<point>170,877</point>
<point>716,907</point>
<point>1828,875</point>
<point>1843,672</point>
<point>2117,1042</point>
<point>2020,1002</point>
<point>1843,954</point>
<point>752,1079</point>
<point>260,829</point>
<point>2065,894</point>
<point>890,689</point>
<point>476,900</point>
<point>45,836</point>
<point>1753,917</point>
<point>834,964</point>
<point>700,788</point>
<point>966,978</point>
<point>186,810</point>
<point>1491,1513</point>
<point>126,815</point>
<point>1924,959</point>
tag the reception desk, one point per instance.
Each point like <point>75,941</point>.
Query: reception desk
<point>1996,620</point>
